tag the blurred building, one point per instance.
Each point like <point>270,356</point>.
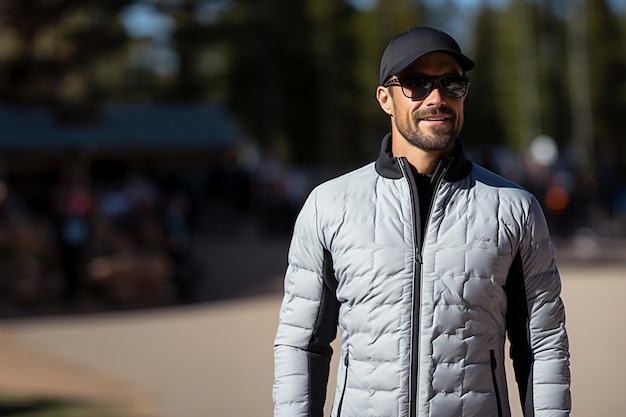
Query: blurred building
<point>107,212</point>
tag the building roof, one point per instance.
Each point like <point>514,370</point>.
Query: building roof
<point>138,127</point>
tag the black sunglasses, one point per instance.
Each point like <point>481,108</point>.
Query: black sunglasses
<point>418,86</point>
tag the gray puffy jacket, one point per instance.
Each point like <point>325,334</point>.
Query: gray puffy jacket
<point>422,321</point>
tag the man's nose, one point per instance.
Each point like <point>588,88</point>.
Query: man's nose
<point>435,98</point>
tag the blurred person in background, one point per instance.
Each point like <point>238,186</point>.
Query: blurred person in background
<point>425,260</point>
<point>73,222</point>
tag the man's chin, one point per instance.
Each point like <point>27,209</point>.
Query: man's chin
<point>432,144</point>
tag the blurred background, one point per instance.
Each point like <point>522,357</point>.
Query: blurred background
<point>136,134</point>
<point>155,153</point>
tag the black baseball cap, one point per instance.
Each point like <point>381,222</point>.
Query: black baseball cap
<point>414,44</point>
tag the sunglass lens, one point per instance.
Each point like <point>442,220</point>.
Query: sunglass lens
<point>417,86</point>
<point>454,86</point>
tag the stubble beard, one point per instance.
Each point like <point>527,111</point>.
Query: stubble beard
<point>439,138</point>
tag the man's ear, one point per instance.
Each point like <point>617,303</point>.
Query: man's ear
<point>385,100</point>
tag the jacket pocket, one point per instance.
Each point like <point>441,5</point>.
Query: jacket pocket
<point>494,378</point>
<point>345,384</point>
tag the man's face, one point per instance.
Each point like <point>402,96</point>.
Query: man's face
<point>431,123</point>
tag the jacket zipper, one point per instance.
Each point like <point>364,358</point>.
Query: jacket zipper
<point>417,276</point>
<point>415,307</point>
<point>494,365</point>
<point>345,384</point>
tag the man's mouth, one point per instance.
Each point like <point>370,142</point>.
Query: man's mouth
<point>440,115</point>
<point>434,119</point>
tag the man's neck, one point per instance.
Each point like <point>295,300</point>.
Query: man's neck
<point>425,162</point>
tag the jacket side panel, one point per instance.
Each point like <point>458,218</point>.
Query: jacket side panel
<point>549,392</point>
<point>307,323</point>
<point>517,327</point>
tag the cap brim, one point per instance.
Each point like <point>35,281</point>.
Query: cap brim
<point>466,63</point>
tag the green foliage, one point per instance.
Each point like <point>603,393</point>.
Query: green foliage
<point>484,116</point>
<point>546,68</point>
<point>50,49</point>
<point>301,75</point>
<point>607,77</point>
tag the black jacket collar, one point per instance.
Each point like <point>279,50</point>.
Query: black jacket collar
<point>388,167</point>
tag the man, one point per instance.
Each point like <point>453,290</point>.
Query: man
<point>425,261</point>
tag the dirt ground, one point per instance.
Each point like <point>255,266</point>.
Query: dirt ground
<point>215,359</point>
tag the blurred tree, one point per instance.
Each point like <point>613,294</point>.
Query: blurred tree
<point>373,29</point>
<point>607,78</point>
<point>290,76</point>
<point>301,75</point>
<point>349,44</point>
<point>334,57</point>
<point>490,85</point>
<point>503,102</point>
<point>524,64</point>
<point>271,79</point>
<point>519,88</point>
<point>303,81</point>
<point>552,66</point>
<point>50,50</point>
<point>197,44</point>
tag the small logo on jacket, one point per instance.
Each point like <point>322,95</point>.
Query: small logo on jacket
<point>483,242</point>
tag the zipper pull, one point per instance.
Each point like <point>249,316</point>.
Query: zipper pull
<point>418,256</point>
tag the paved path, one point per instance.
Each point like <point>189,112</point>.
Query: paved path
<point>215,359</point>
<point>210,360</point>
